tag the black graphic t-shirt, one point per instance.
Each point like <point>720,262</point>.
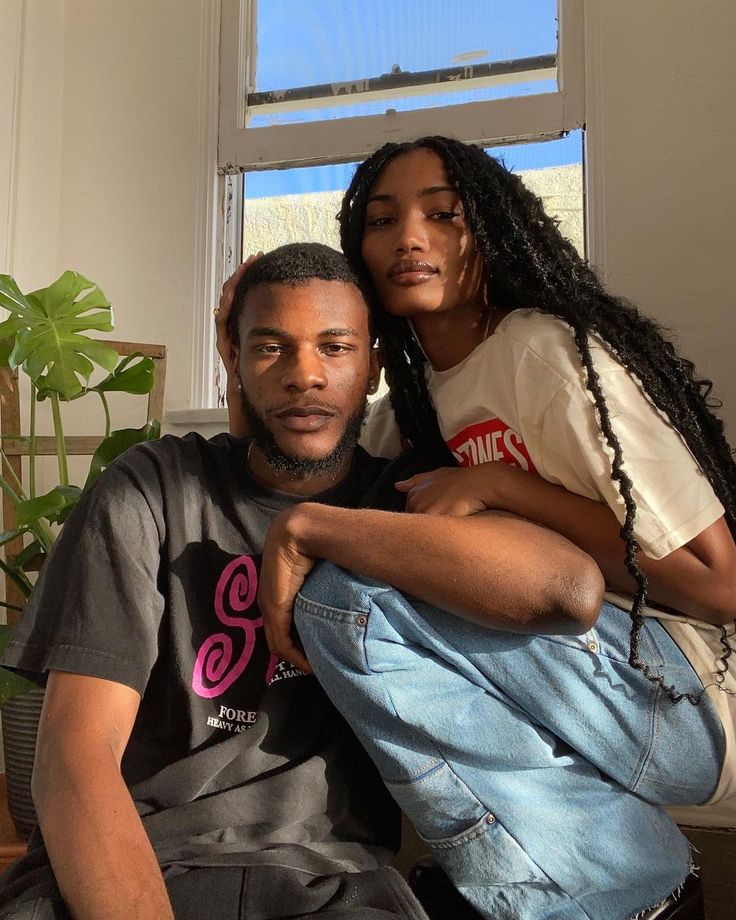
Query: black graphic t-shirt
<point>235,757</point>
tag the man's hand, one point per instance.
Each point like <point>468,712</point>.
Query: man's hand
<point>284,568</point>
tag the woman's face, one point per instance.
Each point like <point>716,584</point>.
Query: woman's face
<point>416,243</point>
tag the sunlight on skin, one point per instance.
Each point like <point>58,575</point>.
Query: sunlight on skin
<point>415,213</point>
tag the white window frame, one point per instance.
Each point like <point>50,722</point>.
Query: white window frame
<point>497,121</point>
<point>242,149</point>
<point>12,26</point>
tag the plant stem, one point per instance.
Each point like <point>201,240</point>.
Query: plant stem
<point>38,528</point>
<point>18,577</point>
<point>60,445</point>
<point>42,533</point>
<point>32,444</point>
<point>105,406</point>
<point>5,485</point>
<point>11,606</point>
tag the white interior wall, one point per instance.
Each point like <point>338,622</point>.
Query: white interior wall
<point>109,158</point>
<point>108,162</point>
<point>662,143</point>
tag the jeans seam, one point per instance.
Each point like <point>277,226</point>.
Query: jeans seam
<point>320,607</point>
<point>645,755</point>
<point>327,612</point>
<point>415,776</point>
<point>476,830</point>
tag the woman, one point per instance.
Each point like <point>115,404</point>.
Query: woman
<point>564,405</point>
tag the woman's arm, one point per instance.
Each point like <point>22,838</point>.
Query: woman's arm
<point>698,579</point>
<point>236,420</point>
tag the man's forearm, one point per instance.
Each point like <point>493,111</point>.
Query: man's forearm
<point>100,853</point>
<point>497,570</point>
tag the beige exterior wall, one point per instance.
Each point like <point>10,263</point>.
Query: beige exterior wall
<point>271,222</point>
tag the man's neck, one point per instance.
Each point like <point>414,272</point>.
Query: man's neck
<point>305,485</point>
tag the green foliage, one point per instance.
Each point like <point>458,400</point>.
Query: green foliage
<point>44,336</point>
<point>116,443</point>
<point>11,684</point>
<point>47,327</point>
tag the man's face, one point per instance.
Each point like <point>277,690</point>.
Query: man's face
<point>306,363</point>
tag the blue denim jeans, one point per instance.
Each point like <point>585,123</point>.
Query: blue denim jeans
<point>534,767</point>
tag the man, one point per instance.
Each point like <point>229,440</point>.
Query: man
<point>181,769</point>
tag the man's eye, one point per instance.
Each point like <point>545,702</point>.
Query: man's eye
<point>269,349</point>
<point>378,221</point>
<point>336,348</point>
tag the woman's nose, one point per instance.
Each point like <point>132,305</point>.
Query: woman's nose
<point>411,234</point>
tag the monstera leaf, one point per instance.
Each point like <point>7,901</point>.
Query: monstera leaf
<point>47,326</point>
<point>117,443</point>
<point>134,374</point>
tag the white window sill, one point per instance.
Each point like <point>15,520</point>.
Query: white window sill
<point>208,422</point>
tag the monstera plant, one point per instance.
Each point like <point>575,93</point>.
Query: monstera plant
<point>44,337</point>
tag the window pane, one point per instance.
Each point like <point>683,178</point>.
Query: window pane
<point>335,48</point>
<point>554,171</point>
<point>294,205</point>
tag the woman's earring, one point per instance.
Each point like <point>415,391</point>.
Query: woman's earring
<point>239,387</point>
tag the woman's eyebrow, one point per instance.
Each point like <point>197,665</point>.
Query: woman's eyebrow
<point>423,193</point>
<point>433,189</point>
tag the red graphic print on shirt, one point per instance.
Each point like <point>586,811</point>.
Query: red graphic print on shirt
<point>490,440</point>
<point>215,668</point>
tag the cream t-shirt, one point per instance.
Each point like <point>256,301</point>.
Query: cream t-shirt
<point>521,398</point>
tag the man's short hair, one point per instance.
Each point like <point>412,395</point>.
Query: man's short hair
<point>295,264</point>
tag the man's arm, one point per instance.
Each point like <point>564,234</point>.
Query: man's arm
<point>494,569</point>
<point>99,851</point>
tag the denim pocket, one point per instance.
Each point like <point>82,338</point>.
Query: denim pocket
<point>486,854</point>
<point>469,841</point>
<point>320,626</point>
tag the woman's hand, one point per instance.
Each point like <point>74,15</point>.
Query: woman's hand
<point>283,571</point>
<point>455,491</point>
<point>238,424</point>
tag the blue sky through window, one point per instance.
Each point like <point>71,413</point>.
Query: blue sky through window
<point>326,41</point>
<point>335,41</point>
<point>518,157</point>
<point>302,44</point>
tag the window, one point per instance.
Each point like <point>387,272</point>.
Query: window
<point>308,90</point>
<point>288,205</point>
<point>330,81</point>
<point>410,56</point>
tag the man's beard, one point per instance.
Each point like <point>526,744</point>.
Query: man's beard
<point>303,467</point>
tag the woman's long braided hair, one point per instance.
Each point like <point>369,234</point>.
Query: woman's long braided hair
<point>530,263</point>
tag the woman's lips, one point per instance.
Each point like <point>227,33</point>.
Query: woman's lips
<point>408,272</point>
<point>406,279</point>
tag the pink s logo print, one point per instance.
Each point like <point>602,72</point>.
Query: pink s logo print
<point>215,670</point>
